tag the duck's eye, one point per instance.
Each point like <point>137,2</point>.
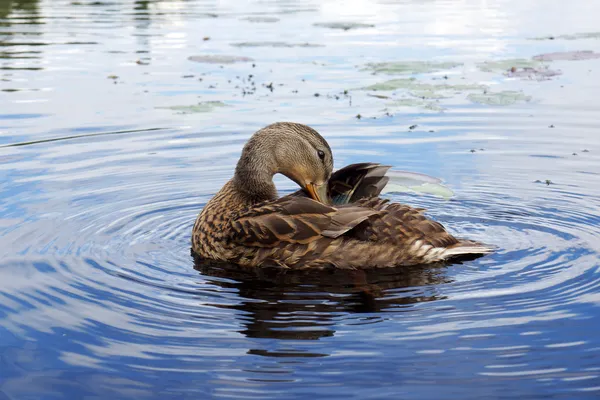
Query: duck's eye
<point>321,154</point>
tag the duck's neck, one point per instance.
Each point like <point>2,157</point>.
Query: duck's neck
<point>253,180</point>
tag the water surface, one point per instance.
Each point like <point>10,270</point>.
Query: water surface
<point>119,120</point>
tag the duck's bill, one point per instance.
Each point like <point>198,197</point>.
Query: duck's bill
<point>318,192</point>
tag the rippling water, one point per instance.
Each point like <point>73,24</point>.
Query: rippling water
<point>113,136</point>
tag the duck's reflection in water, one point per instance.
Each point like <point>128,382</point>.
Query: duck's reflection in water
<point>308,304</point>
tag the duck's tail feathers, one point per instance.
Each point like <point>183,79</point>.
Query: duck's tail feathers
<point>467,249</point>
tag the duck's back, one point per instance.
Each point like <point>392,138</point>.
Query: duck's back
<point>403,235</point>
<point>398,235</point>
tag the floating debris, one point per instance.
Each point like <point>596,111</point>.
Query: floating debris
<point>551,126</point>
<point>275,44</point>
<point>568,56</point>
<point>113,77</point>
<point>358,116</point>
<point>410,67</point>
<point>205,38</point>
<point>343,25</point>
<point>504,98</point>
<point>413,127</point>
<point>219,59</point>
<point>202,107</point>
<point>585,151</point>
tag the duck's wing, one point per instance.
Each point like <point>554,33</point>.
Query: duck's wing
<point>295,220</point>
<point>401,224</point>
<point>357,181</point>
<point>354,182</point>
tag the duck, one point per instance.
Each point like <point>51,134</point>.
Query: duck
<point>335,220</point>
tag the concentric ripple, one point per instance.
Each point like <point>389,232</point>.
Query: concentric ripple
<point>102,269</point>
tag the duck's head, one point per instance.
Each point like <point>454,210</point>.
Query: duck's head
<point>294,150</point>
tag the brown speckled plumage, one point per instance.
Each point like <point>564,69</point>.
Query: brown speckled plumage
<point>245,222</point>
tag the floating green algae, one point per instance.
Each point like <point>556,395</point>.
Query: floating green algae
<point>202,107</point>
<point>504,98</point>
<point>505,65</point>
<point>410,67</point>
<point>423,92</point>
<point>343,25</point>
<point>415,85</point>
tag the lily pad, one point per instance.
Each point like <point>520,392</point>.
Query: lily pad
<point>568,56</point>
<point>405,181</point>
<point>275,44</point>
<point>261,19</point>
<point>410,67</point>
<point>202,107</point>
<point>506,65</point>
<point>415,85</point>
<point>504,98</point>
<point>343,25</point>
<point>576,36</point>
<point>219,59</point>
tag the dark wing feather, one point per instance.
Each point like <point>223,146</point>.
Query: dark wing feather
<point>354,182</point>
<point>295,220</point>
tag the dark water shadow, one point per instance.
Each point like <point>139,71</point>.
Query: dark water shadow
<point>307,305</point>
<point>29,9</point>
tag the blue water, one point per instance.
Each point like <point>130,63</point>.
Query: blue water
<point>113,136</point>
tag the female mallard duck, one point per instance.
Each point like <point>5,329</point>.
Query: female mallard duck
<point>247,224</point>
